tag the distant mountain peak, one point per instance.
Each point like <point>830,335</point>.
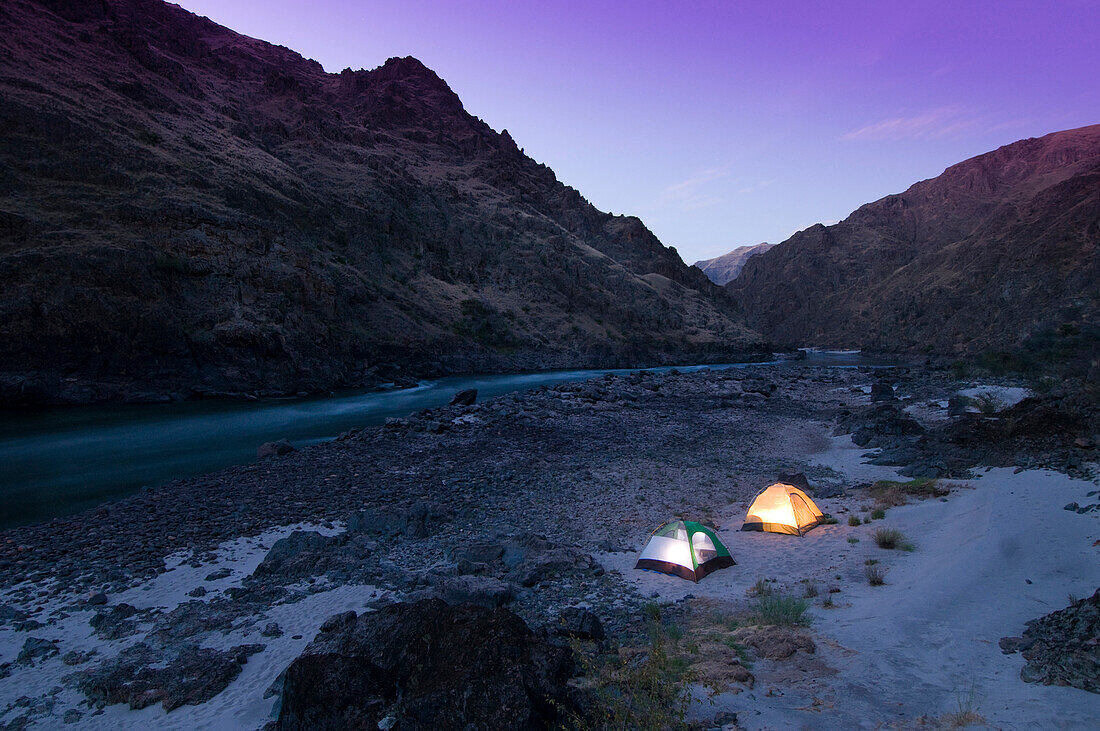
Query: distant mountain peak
<point>725,268</point>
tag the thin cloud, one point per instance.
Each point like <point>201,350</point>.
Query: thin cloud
<point>690,194</point>
<point>943,122</point>
<point>756,186</point>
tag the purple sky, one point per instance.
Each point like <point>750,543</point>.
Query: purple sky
<point>726,123</point>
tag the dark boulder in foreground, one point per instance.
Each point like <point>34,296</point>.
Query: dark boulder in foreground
<point>1062,648</point>
<point>426,665</point>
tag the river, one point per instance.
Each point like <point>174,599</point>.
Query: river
<point>59,461</point>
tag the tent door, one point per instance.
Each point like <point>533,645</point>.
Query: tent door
<point>802,514</point>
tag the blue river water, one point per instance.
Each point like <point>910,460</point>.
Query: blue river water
<point>59,461</point>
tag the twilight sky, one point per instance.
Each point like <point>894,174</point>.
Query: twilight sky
<point>726,123</point>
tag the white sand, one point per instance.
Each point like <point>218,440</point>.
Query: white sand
<point>241,704</point>
<point>926,642</point>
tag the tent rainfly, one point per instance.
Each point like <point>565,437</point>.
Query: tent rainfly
<point>686,549</point>
<point>783,508</point>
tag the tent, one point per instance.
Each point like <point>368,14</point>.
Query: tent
<point>783,508</point>
<point>686,549</point>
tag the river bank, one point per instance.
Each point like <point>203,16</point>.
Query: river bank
<point>537,501</point>
<point>59,461</point>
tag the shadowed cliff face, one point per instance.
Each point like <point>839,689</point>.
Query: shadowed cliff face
<point>187,210</point>
<point>997,253</point>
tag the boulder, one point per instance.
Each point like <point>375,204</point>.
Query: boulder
<point>581,623</point>
<point>1062,648</point>
<point>36,648</point>
<point>882,392</point>
<point>275,449</point>
<point>465,397</point>
<point>484,591</point>
<point>798,479</point>
<point>427,665</point>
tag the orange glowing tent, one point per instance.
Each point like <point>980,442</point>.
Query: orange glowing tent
<point>783,508</point>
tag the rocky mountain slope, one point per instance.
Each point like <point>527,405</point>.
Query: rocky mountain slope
<point>1000,253</point>
<point>187,210</point>
<point>724,269</point>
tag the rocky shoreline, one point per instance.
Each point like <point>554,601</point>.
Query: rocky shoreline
<point>509,502</point>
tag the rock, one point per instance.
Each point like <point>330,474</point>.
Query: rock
<point>465,397</point>
<point>1010,645</point>
<point>1062,648</point>
<point>135,677</point>
<point>478,552</point>
<point>427,665</point>
<point>218,575</point>
<point>35,648</point>
<point>481,590</point>
<point>337,621</point>
<point>882,392</point>
<point>418,520</point>
<point>272,629</point>
<point>580,623</point>
<point>798,479</point>
<point>1070,506</point>
<point>98,599</point>
<point>115,622</point>
<point>71,716</point>
<point>197,592</point>
<point>275,449</point>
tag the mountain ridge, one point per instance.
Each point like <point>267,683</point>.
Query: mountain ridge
<point>188,211</point>
<point>998,254</point>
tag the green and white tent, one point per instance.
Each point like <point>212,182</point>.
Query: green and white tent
<point>686,549</point>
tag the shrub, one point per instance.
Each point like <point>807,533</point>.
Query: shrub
<point>876,575</point>
<point>810,591</point>
<point>854,520</point>
<point>853,539</point>
<point>891,538</point>
<point>878,514</point>
<point>828,520</point>
<point>988,403</point>
<point>966,714</point>
<point>781,610</point>
<point>761,588</point>
<point>827,602</point>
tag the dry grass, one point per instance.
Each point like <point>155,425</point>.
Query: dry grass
<point>876,575</point>
<point>891,538</point>
<point>775,609</point>
<point>890,493</point>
